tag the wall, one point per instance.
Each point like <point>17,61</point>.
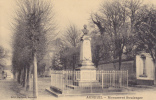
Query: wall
<point>126,65</point>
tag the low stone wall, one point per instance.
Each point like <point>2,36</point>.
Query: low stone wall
<point>126,65</point>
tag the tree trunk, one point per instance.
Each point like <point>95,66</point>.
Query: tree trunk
<point>65,64</point>
<point>134,65</point>
<point>14,74</point>
<point>74,60</point>
<point>19,77</point>
<point>114,65</point>
<point>120,57</point>
<point>97,63</point>
<point>24,77</point>
<point>155,70</point>
<point>28,79</point>
<point>35,87</point>
<point>154,61</point>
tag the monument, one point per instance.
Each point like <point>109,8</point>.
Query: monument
<point>145,70</point>
<point>86,67</point>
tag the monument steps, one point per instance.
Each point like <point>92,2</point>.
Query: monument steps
<point>89,91</point>
<point>55,89</point>
<point>56,94</point>
<point>72,86</point>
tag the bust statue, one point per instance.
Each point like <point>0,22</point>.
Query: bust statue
<point>85,31</point>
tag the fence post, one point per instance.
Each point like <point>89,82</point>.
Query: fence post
<point>127,78</point>
<point>51,77</point>
<point>120,78</point>
<point>107,78</point>
<point>57,78</point>
<point>63,80</point>
<point>90,80</point>
<point>110,77</point>
<point>97,75</point>
<point>54,78</point>
<point>114,79</point>
<point>113,74</point>
<point>102,80</point>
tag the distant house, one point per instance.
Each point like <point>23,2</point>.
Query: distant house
<point>7,72</point>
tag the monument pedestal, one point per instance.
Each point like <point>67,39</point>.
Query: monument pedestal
<point>87,75</point>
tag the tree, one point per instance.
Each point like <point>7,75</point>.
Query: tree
<point>3,55</point>
<point>72,39</point>
<point>70,51</point>
<point>145,28</point>
<point>2,52</point>
<point>41,68</point>
<point>112,21</point>
<point>133,7</point>
<point>67,47</point>
<point>56,60</point>
<point>100,49</point>
<point>33,25</point>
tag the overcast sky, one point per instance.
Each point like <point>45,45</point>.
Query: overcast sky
<point>67,12</point>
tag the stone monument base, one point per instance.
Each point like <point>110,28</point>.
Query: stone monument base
<point>87,75</point>
<point>86,83</point>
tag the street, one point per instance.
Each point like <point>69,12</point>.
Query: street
<point>7,89</point>
<point>11,90</point>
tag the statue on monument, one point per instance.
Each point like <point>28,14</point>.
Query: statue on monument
<point>85,31</point>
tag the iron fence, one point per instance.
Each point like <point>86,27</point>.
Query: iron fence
<point>67,81</point>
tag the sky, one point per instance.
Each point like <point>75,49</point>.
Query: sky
<point>66,12</point>
<point>74,11</point>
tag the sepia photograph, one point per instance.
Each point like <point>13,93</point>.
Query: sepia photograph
<point>77,49</point>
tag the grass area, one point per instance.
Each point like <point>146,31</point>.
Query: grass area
<point>43,83</point>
